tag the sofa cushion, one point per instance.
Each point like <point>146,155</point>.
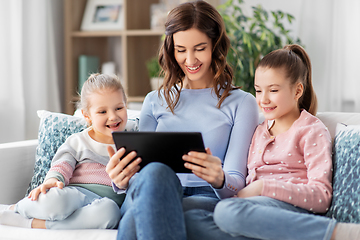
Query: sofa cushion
<point>54,129</point>
<point>331,119</point>
<point>345,206</point>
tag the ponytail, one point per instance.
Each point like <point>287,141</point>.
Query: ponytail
<point>296,62</point>
<point>308,100</point>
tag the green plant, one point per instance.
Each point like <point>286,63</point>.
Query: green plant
<point>153,67</point>
<point>252,38</point>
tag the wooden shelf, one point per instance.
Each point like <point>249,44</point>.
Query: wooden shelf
<point>138,44</point>
<point>142,32</point>
<point>136,99</point>
<point>145,32</point>
<point>97,34</point>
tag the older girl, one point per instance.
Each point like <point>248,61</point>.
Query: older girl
<point>289,164</point>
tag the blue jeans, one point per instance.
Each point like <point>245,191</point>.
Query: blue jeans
<point>199,198</point>
<point>153,209</point>
<point>71,208</point>
<point>257,218</point>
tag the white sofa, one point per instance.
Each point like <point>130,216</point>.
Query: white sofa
<point>16,169</point>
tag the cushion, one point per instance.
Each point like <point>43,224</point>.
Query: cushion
<point>345,206</point>
<point>331,119</point>
<point>54,129</point>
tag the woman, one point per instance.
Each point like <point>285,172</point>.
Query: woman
<point>197,95</point>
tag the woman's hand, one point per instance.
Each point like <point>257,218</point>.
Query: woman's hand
<point>43,188</point>
<point>119,173</point>
<point>251,190</point>
<point>206,166</point>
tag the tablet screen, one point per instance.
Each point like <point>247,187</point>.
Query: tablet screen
<point>164,147</point>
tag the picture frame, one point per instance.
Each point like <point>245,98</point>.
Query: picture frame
<point>158,16</point>
<point>102,15</point>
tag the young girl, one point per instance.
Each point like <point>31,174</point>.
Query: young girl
<point>77,191</point>
<point>289,163</point>
<point>197,95</point>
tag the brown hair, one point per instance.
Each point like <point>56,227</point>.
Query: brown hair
<point>204,17</point>
<point>296,63</point>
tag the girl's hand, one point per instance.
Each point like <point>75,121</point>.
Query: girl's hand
<point>119,173</point>
<point>208,167</point>
<point>43,188</point>
<point>251,190</point>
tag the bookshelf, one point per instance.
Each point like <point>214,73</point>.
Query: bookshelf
<point>138,44</point>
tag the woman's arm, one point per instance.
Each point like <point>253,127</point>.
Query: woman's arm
<point>147,119</point>
<point>230,178</point>
<point>208,167</point>
<point>235,162</point>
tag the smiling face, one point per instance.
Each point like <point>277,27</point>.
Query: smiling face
<point>193,51</point>
<point>275,96</point>
<point>107,113</point>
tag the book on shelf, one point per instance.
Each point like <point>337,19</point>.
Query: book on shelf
<point>87,65</point>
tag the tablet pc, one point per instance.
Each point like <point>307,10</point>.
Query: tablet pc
<point>164,147</point>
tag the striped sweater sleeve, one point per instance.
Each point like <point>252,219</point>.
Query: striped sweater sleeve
<point>63,164</point>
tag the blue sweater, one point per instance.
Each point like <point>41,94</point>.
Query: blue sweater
<point>226,131</point>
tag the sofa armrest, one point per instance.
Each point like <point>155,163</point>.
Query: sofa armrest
<point>17,161</point>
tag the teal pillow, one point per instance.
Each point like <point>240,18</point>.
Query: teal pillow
<point>345,206</point>
<point>54,129</point>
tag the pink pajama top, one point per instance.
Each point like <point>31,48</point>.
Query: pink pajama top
<point>295,166</point>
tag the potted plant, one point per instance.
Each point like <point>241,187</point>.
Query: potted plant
<point>252,37</point>
<point>154,71</point>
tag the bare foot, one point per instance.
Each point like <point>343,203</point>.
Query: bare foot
<point>38,223</point>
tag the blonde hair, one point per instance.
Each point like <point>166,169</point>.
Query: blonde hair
<point>96,83</point>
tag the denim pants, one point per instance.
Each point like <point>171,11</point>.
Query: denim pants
<point>71,208</point>
<point>153,210</point>
<point>257,218</point>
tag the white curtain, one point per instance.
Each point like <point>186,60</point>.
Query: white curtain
<point>331,32</point>
<point>31,64</point>
<point>345,60</point>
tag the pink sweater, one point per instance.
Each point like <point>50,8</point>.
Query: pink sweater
<point>295,166</point>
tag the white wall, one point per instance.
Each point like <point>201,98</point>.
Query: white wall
<point>318,23</point>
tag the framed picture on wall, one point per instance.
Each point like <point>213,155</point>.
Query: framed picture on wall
<point>103,15</point>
